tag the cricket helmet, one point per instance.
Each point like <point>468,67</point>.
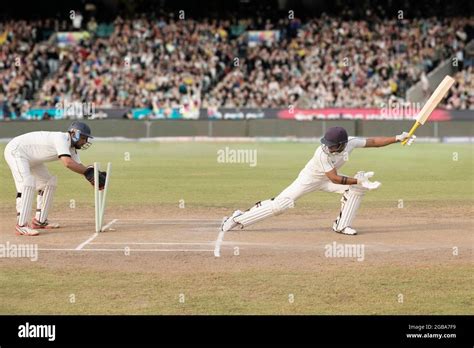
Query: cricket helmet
<point>80,130</point>
<point>335,136</point>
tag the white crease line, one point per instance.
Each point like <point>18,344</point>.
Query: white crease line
<point>82,245</point>
<point>181,223</point>
<point>134,250</point>
<point>217,247</point>
<point>229,242</point>
<point>109,224</point>
<point>154,243</point>
<point>226,244</point>
<point>175,220</point>
<point>122,249</point>
<point>223,243</point>
<point>138,219</point>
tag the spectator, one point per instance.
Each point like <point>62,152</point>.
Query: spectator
<point>76,19</point>
<point>92,25</point>
<point>462,93</point>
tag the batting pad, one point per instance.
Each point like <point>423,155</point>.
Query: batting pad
<point>264,209</point>
<point>45,200</point>
<point>24,204</point>
<point>350,203</point>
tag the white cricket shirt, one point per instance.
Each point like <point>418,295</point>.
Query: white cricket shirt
<point>322,162</point>
<point>40,147</point>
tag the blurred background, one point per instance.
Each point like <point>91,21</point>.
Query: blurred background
<point>271,68</point>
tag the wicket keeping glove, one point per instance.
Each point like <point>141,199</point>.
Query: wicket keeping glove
<point>89,174</point>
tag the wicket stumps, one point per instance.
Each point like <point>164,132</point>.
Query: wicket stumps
<point>100,196</point>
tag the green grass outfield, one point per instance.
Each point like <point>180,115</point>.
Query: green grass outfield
<point>423,175</point>
<point>164,173</point>
<point>337,290</point>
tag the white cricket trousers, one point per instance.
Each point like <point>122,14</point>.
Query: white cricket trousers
<point>22,169</point>
<point>304,185</point>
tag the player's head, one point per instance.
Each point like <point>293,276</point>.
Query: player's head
<point>80,135</point>
<point>334,140</point>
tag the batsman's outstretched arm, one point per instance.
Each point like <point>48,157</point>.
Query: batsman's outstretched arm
<point>384,141</point>
<point>73,165</point>
<point>380,141</point>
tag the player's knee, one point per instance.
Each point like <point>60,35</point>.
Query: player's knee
<point>53,181</point>
<point>279,205</point>
<point>357,190</point>
<point>29,181</point>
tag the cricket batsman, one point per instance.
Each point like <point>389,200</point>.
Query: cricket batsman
<point>321,174</point>
<point>26,156</point>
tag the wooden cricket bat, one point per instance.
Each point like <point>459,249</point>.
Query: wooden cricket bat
<point>431,104</point>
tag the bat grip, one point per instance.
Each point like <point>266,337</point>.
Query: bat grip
<point>411,132</point>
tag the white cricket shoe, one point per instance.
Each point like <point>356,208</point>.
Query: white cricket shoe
<point>25,231</point>
<point>347,230</point>
<point>228,223</point>
<point>44,225</point>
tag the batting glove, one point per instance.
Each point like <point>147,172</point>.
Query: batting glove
<point>363,180</point>
<point>403,136</point>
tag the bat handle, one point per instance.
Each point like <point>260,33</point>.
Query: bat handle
<point>411,132</point>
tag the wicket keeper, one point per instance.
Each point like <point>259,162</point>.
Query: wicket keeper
<point>26,156</point>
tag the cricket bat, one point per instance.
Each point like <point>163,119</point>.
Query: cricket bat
<point>431,104</point>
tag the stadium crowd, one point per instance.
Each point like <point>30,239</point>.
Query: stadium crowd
<point>166,62</point>
<point>341,63</point>
<point>25,61</point>
<point>462,95</point>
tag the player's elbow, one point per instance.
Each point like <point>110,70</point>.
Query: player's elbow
<point>333,177</point>
<point>67,162</point>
